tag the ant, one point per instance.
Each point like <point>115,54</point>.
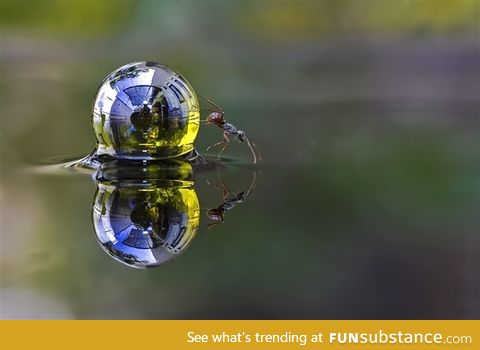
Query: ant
<point>229,202</point>
<point>217,117</point>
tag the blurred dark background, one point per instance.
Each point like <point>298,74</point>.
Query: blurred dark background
<point>367,116</point>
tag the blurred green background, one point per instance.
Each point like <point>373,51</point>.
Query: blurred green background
<point>367,116</point>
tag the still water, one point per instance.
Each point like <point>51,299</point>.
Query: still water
<point>369,212</point>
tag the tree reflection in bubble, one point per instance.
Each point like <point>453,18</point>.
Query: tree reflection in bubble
<point>145,110</point>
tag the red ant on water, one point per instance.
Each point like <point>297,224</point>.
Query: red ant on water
<point>217,117</point>
<point>229,201</point>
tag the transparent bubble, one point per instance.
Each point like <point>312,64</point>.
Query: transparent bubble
<point>145,110</point>
<point>145,216</point>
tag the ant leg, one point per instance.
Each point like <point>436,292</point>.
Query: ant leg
<point>215,145</point>
<point>252,184</point>
<point>252,150</point>
<point>224,188</point>
<point>226,142</point>
<point>201,121</point>
<point>257,151</point>
<point>213,224</point>
<point>214,185</point>
<point>222,142</point>
<point>221,187</point>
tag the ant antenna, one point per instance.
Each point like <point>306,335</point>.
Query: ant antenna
<point>219,109</point>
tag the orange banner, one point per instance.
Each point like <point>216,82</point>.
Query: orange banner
<point>258,335</point>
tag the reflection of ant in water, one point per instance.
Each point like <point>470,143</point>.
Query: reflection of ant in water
<point>229,201</point>
<point>217,117</point>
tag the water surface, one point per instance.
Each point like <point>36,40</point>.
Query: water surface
<point>371,213</point>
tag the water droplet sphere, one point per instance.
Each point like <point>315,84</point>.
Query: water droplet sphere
<point>145,110</point>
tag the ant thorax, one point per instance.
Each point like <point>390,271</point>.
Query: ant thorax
<point>229,128</point>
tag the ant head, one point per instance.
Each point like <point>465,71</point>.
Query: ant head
<point>241,135</point>
<point>214,214</point>
<point>215,117</point>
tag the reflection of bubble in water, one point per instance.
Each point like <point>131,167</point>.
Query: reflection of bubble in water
<point>144,222</point>
<point>145,111</point>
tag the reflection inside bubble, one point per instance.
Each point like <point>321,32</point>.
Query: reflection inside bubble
<point>145,110</point>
